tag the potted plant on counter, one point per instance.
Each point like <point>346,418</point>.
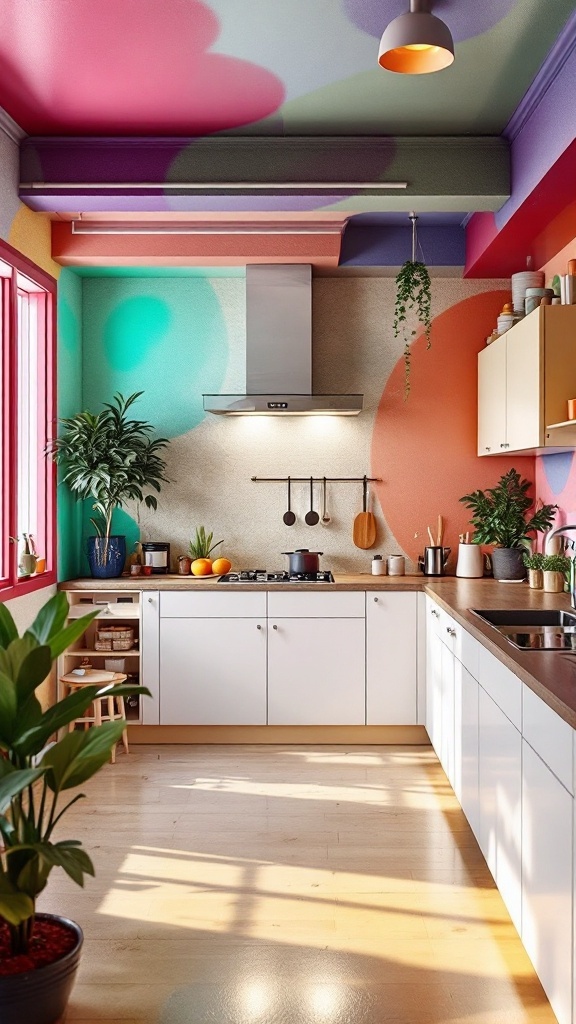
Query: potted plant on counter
<point>39,953</point>
<point>109,459</point>
<point>533,563</point>
<point>500,518</point>
<point>555,571</point>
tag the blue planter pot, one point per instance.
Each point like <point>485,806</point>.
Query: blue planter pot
<point>106,556</point>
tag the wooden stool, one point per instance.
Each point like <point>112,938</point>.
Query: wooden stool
<point>112,711</point>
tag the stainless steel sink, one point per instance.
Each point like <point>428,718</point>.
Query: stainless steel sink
<point>533,629</point>
<point>526,617</point>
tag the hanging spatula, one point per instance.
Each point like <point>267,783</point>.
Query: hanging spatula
<point>364,532</point>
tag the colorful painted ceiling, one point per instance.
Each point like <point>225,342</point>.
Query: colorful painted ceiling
<point>208,117</point>
<point>289,67</point>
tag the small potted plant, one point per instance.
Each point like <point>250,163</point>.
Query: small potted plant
<point>500,517</point>
<point>109,459</point>
<point>39,953</point>
<point>556,571</point>
<point>201,549</point>
<point>533,563</point>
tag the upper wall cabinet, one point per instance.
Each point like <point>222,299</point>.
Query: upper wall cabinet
<point>525,378</point>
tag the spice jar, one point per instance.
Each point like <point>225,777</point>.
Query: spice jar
<point>184,564</point>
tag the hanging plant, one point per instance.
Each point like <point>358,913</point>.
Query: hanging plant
<point>413,304</point>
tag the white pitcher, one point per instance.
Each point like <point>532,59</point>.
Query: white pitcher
<point>470,563</point>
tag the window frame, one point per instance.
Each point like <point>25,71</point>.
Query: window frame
<point>10,585</point>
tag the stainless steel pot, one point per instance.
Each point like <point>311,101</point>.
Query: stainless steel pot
<point>303,560</point>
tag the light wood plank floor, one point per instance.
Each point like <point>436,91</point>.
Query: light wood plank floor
<point>288,885</point>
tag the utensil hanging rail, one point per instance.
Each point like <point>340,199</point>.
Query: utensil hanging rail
<point>316,479</point>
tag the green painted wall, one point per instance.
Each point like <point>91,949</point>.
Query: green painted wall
<point>69,403</point>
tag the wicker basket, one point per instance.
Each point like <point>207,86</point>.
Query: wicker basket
<point>114,638</point>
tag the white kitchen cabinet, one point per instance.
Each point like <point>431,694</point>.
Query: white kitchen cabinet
<point>213,671</point>
<point>150,650</point>
<point>466,745</point>
<point>446,755</point>
<point>316,671</point>
<point>547,880</point>
<point>433,676</point>
<point>391,659</point>
<point>492,398</point>
<point>524,380</point>
<point>500,800</point>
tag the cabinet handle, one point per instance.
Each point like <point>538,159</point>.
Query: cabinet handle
<point>258,626</point>
<point>488,449</point>
<point>504,445</point>
<point>274,627</point>
<point>150,600</point>
<point>375,600</point>
<point>435,613</point>
<point>450,631</point>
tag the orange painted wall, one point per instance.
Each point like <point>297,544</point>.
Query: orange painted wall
<point>425,448</point>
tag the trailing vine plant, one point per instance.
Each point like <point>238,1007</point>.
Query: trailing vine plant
<point>413,300</point>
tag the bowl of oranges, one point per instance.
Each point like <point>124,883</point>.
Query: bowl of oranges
<point>203,564</point>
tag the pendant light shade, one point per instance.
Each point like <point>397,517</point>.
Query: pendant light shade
<point>416,43</point>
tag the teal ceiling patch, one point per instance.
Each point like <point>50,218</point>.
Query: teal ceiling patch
<point>165,337</point>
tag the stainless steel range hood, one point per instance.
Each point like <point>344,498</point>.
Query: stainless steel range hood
<point>279,350</point>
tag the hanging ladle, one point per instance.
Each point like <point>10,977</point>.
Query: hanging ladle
<point>325,516</point>
<point>311,517</point>
<point>289,517</point>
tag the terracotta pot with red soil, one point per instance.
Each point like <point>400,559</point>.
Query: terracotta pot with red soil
<point>35,986</point>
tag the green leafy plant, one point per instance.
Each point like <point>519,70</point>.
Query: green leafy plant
<point>413,299</point>
<point>500,513</point>
<point>202,546</point>
<point>533,561</point>
<point>110,459</point>
<point>556,563</point>
<point>34,774</point>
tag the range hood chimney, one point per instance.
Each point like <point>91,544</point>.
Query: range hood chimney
<point>279,350</point>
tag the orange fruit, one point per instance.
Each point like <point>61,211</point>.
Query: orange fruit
<point>201,567</point>
<point>221,565</point>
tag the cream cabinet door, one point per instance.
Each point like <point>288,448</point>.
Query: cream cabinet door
<point>316,671</point>
<point>524,386</point>
<point>547,880</point>
<point>391,693</point>
<point>213,671</point>
<point>492,398</point>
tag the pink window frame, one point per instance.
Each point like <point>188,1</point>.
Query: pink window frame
<point>10,585</point>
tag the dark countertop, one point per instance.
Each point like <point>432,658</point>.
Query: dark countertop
<point>550,674</point>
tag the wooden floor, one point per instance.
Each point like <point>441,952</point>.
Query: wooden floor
<point>288,885</point>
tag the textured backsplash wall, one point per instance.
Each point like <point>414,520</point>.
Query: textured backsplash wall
<point>176,338</point>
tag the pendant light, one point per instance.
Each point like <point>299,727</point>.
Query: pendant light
<point>416,43</point>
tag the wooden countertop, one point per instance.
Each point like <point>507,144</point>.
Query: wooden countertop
<point>552,675</point>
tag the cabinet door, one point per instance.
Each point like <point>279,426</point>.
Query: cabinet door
<point>500,798</point>
<point>547,868</point>
<point>447,662</point>
<point>316,672</point>
<point>466,744</point>
<point>433,680</point>
<point>391,653</point>
<point>524,385</point>
<point>492,398</point>
<point>213,672</point>
<point>150,657</point>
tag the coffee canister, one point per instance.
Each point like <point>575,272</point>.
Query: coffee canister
<point>396,565</point>
<point>157,556</point>
<point>378,566</point>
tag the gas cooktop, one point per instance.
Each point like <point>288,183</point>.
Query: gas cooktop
<point>262,576</point>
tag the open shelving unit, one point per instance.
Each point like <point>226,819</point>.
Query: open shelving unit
<point>116,608</point>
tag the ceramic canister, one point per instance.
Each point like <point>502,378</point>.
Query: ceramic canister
<point>470,563</point>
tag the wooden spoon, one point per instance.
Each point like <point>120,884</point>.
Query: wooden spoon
<point>364,532</point>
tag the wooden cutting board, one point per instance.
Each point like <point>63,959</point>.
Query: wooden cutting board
<point>364,531</point>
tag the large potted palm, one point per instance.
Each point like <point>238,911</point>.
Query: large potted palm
<point>109,459</point>
<point>39,953</point>
<point>500,517</point>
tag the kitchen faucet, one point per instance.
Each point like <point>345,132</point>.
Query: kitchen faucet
<point>553,533</point>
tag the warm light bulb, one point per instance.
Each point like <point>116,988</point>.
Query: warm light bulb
<point>419,46</point>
